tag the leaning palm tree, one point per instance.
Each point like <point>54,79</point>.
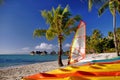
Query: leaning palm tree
<point>60,25</point>
<point>114,6</point>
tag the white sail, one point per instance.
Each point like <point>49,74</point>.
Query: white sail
<point>77,51</point>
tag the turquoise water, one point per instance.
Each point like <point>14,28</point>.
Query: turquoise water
<point>21,59</point>
<point>107,60</point>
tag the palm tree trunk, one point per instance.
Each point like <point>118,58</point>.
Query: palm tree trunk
<point>60,51</point>
<point>114,28</point>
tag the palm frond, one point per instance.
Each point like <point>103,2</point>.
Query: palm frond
<point>59,22</point>
<point>44,13</point>
<point>71,21</point>
<point>39,32</point>
<point>97,3</point>
<point>118,6</point>
<point>70,30</point>
<point>53,29</point>
<point>77,18</point>
<point>53,10</point>
<point>47,15</point>
<point>112,6</point>
<point>90,4</point>
<point>66,9</point>
<point>102,9</point>
<point>58,8</point>
<point>50,35</point>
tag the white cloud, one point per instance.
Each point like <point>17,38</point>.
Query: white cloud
<point>25,48</point>
<point>45,46</point>
<point>67,45</point>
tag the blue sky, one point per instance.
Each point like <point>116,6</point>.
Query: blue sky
<point>19,18</point>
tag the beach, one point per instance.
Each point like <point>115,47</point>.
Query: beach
<point>17,72</point>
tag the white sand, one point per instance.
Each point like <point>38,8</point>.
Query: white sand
<point>16,72</point>
<point>100,56</point>
<point>90,57</point>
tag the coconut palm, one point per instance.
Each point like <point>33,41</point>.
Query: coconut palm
<point>95,40</point>
<point>114,6</point>
<point>60,25</point>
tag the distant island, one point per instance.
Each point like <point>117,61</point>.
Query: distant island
<point>41,53</point>
<point>45,53</point>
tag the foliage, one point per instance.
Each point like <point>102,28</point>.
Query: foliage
<point>89,48</point>
<point>96,43</point>
<point>114,7</point>
<point>96,40</point>
<point>95,2</point>
<point>118,37</point>
<point>108,44</point>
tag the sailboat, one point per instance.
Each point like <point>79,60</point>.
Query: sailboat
<point>77,49</point>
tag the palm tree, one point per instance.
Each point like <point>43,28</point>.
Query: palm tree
<point>60,26</point>
<point>118,37</point>
<point>114,6</point>
<point>95,40</point>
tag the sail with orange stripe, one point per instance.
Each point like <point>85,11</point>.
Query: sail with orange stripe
<point>77,51</point>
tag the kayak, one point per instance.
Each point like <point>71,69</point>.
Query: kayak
<point>107,69</point>
<point>84,72</point>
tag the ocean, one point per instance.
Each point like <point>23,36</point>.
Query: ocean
<point>7,60</point>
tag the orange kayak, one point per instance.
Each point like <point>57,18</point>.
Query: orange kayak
<point>87,72</point>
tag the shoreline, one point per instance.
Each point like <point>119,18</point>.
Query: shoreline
<point>17,72</point>
<point>14,66</point>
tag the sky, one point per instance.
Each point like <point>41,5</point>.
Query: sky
<point>19,18</point>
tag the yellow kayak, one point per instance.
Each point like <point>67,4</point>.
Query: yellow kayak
<point>85,72</point>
